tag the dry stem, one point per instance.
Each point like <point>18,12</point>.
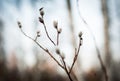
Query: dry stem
<point>57,38</point>
<point>92,35</point>
<point>76,54</point>
<point>47,32</point>
<point>63,64</point>
<point>46,50</point>
<point>65,68</point>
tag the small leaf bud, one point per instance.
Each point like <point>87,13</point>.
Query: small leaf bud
<point>80,34</point>
<point>41,20</point>
<point>38,32</point>
<point>46,50</point>
<point>55,24</point>
<point>63,56</point>
<point>38,35</point>
<point>19,24</point>
<point>60,30</point>
<point>57,51</point>
<point>41,8</point>
<point>42,13</point>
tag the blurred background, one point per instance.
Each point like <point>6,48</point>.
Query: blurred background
<point>22,60</point>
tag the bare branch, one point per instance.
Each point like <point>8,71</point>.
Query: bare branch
<point>62,64</point>
<point>94,40</point>
<point>65,68</point>
<point>58,33</point>
<point>103,66</point>
<point>76,53</point>
<point>57,38</point>
<point>42,21</point>
<point>46,50</point>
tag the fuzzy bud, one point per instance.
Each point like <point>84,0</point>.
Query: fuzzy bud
<point>57,51</point>
<point>46,50</point>
<point>55,24</point>
<point>38,33</point>
<point>81,41</point>
<point>80,34</point>
<point>63,56</point>
<point>19,24</point>
<point>41,11</point>
<point>41,20</point>
<point>60,30</point>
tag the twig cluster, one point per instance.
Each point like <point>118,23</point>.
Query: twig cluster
<point>55,24</point>
<point>62,63</point>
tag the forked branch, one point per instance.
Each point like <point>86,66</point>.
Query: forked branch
<point>55,24</point>
<point>35,40</point>
<point>77,51</point>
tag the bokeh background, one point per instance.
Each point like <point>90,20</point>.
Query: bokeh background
<point>22,60</point>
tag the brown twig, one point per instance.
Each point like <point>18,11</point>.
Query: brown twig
<point>41,19</point>
<point>58,33</point>
<point>63,64</point>
<point>46,30</point>
<point>65,68</point>
<point>55,24</point>
<point>46,50</point>
<point>48,34</point>
<point>36,38</point>
<point>73,74</point>
<point>57,38</point>
<point>76,52</point>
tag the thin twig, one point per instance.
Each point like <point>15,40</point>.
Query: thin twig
<point>66,70</point>
<point>76,55</point>
<point>46,50</point>
<point>48,34</point>
<point>55,59</point>
<point>57,38</point>
<point>58,33</point>
<point>103,66</point>
<point>63,64</point>
<point>55,24</point>
<point>73,74</point>
<point>36,38</point>
<point>96,47</point>
<point>41,19</point>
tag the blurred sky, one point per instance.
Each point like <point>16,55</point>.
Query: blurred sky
<point>27,11</point>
